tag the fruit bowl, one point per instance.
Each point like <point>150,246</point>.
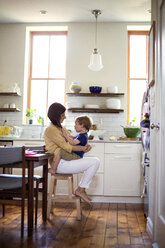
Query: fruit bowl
<point>131,132</point>
<point>95,89</point>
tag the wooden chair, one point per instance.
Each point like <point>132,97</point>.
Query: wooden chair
<point>15,186</point>
<point>53,197</point>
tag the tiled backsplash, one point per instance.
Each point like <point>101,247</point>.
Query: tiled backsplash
<point>109,122</point>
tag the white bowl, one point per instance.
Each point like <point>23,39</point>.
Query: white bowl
<point>113,103</point>
<point>112,89</point>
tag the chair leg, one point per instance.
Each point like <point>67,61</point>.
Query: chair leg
<point>22,216</point>
<point>51,190</point>
<point>78,206</point>
<point>70,188</point>
<point>36,203</point>
<point>3,210</point>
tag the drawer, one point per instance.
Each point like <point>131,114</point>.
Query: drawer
<point>122,148</point>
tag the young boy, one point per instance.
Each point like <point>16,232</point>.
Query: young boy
<point>82,126</point>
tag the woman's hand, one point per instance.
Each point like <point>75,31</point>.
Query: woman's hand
<point>88,148</point>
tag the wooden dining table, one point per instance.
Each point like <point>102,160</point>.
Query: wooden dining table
<point>33,161</point>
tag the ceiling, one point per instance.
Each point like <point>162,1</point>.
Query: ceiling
<point>28,11</point>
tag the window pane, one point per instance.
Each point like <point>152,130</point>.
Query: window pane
<point>57,56</point>
<point>137,88</point>
<point>39,96</point>
<point>56,91</point>
<point>138,56</point>
<point>40,56</point>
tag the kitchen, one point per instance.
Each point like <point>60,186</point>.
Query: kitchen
<point>112,43</point>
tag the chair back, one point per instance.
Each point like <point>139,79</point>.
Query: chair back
<point>11,154</point>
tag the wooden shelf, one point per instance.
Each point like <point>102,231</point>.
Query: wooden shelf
<point>93,110</point>
<point>9,94</point>
<point>95,94</point>
<point>9,110</point>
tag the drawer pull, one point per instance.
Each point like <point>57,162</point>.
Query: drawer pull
<point>123,157</point>
<point>121,146</point>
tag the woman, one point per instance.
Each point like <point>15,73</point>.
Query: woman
<point>55,141</point>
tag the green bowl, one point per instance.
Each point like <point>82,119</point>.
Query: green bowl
<point>131,132</point>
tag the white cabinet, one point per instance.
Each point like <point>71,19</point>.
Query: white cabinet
<point>122,169</point>
<point>97,184</point>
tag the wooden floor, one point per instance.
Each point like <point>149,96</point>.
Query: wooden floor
<point>103,225</point>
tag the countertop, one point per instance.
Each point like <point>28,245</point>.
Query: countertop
<point>33,138</point>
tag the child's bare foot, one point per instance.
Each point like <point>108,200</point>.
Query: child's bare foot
<point>51,171</point>
<point>83,195</point>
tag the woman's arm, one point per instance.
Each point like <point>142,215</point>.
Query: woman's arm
<point>85,148</point>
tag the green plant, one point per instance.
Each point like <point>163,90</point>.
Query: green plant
<point>39,119</point>
<point>30,112</point>
<point>133,121</point>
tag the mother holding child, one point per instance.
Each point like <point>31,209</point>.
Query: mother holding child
<point>68,150</point>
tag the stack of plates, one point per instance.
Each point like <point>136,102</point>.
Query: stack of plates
<point>113,103</point>
<point>93,106</point>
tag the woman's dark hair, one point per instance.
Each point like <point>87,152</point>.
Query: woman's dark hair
<point>54,113</point>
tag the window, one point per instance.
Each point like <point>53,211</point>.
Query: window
<point>137,73</point>
<point>47,80</point>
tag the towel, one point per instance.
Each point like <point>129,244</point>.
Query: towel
<point>4,130</point>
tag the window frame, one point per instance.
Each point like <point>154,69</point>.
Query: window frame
<point>32,34</point>
<point>135,32</point>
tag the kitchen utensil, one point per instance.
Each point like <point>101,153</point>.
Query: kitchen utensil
<point>74,105</point>
<point>12,105</point>
<point>112,89</point>
<point>93,106</point>
<point>6,105</point>
<point>75,87</point>
<point>95,89</point>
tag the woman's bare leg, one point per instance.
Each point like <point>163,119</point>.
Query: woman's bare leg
<point>55,163</point>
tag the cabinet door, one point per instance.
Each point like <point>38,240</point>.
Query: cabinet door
<point>122,175</point>
<point>97,151</point>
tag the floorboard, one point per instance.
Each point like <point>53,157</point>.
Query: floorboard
<point>103,225</point>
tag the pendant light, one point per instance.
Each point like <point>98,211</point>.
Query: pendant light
<point>95,59</point>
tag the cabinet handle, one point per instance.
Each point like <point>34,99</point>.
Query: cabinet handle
<point>33,144</point>
<point>125,146</point>
<point>122,157</point>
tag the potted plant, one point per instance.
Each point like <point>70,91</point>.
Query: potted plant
<point>30,114</point>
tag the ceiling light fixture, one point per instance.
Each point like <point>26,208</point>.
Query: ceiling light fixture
<point>95,58</point>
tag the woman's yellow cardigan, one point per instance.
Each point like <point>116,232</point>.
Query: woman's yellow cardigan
<point>54,141</point>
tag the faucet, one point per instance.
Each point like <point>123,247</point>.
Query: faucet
<point>42,127</point>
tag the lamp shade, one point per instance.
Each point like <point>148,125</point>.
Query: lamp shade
<point>95,62</point>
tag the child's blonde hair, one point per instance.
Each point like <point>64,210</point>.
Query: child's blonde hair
<point>85,121</point>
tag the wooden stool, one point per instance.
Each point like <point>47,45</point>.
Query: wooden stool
<point>63,197</point>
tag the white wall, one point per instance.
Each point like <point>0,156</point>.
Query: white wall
<point>112,44</point>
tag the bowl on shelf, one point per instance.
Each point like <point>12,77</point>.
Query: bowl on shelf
<point>75,87</point>
<point>131,131</point>
<point>112,89</point>
<point>95,89</point>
